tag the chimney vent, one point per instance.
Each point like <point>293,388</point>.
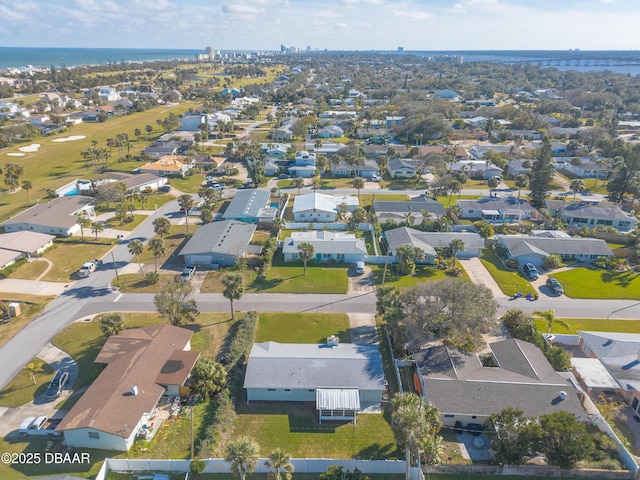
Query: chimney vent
<point>563,394</point>
<point>333,341</point>
<point>134,390</point>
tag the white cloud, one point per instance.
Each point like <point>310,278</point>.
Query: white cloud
<point>411,15</point>
<point>367,2</point>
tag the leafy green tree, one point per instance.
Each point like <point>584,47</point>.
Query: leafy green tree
<point>576,186</point>
<point>161,226</point>
<point>492,183</point>
<point>541,175</point>
<point>206,215</point>
<point>208,377</point>
<point>358,184</point>
<point>564,440</point>
<point>522,181</point>
<point>512,437</point>
<point>112,324</point>
<point>280,462</point>
<point>553,261</point>
<point>136,247</point>
<point>173,302</point>
<point>121,212</point>
<point>409,255</point>
<point>242,453</point>
<point>305,252</point>
<point>233,288</point>
<point>186,203</point>
<point>484,229</point>
<point>157,248</point>
<point>298,182</point>
<point>12,173</point>
<point>34,368</point>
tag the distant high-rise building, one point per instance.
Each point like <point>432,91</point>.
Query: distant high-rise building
<point>400,49</point>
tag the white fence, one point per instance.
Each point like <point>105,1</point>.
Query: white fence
<point>323,226</point>
<point>218,465</point>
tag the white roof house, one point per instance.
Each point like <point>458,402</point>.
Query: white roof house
<point>318,207</point>
<point>327,246</point>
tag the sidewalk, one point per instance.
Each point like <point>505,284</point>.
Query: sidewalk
<point>32,287</point>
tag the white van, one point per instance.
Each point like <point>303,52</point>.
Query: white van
<point>359,268</point>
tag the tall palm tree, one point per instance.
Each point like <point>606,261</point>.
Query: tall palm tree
<point>26,186</point>
<point>456,245</point>
<point>97,227</point>
<point>186,203</point>
<point>358,183</point>
<point>233,289</point>
<point>576,186</point>
<point>299,183</point>
<point>162,226</point>
<point>280,462</point>
<point>550,317</point>
<point>84,222</point>
<point>242,453</point>
<point>305,252</point>
<point>135,248</point>
<point>156,246</point>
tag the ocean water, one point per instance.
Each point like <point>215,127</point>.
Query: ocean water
<point>15,57</point>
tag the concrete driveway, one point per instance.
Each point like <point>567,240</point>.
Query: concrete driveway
<point>480,275</point>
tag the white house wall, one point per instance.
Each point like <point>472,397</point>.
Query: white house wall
<point>79,438</point>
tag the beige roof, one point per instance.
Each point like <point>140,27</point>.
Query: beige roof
<point>136,357</point>
<point>24,241</point>
<point>168,162</point>
<point>56,213</point>
<point>8,256</point>
<point>177,368</point>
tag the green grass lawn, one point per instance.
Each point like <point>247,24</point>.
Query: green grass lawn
<point>68,255</point>
<point>126,226</point>
<point>448,201</point>
<point>29,270</point>
<point>22,390</point>
<point>423,273</point>
<point>589,324</point>
<point>30,306</point>
<point>189,184</point>
<point>367,199</point>
<point>294,428</point>
<point>510,282</point>
<point>602,284</point>
<point>302,328</point>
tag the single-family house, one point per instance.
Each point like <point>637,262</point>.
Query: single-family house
<point>609,362</point>
<point>477,169</point>
<point>15,246</point>
<point>341,379</point>
<point>399,211</point>
<point>587,168</point>
<point>58,217</point>
<point>518,166</point>
<point>393,121</point>
<point>367,170</point>
<point>403,167</point>
<point>108,94</point>
<point>447,95</point>
<point>585,214</point>
<point>142,365</point>
<point>285,131</point>
<point>525,134</point>
<point>171,147</point>
<point>319,207</point>
<point>278,150</point>
<point>251,206</point>
<point>477,122</point>
<point>168,166</point>
<point>327,246</point>
<point>460,153</point>
<point>271,167</point>
<point>431,242</point>
<point>478,151</point>
<point>529,249</point>
<point>328,149</point>
<point>466,388</point>
<point>219,243</point>
<point>330,131</point>
<point>140,182</point>
<point>495,210</point>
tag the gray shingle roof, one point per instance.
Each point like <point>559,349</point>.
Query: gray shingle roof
<point>327,243</point>
<point>56,213</point>
<point>416,205</point>
<point>429,241</point>
<point>295,365</point>
<point>495,203</point>
<point>227,237</point>
<point>247,203</point>
<point>397,163</point>
<point>589,210</point>
<point>619,352</point>
<point>521,245</point>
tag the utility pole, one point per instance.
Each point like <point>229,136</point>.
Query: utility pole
<point>115,267</point>
<point>192,454</point>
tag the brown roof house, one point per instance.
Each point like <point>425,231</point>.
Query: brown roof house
<point>168,166</point>
<point>142,365</point>
<point>58,217</point>
<point>17,245</point>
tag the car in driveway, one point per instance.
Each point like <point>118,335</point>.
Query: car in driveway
<point>531,271</point>
<point>57,384</point>
<point>284,176</point>
<point>555,286</point>
<point>360,268</point>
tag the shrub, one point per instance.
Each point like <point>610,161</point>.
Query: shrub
<point>553,261</point>
<point>454,271</point>
<point>243,340</point>
<point>511,263</point>
<point>152,278</point>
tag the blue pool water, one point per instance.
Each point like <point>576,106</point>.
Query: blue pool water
<point>72,192</point>
<point>273,205</point>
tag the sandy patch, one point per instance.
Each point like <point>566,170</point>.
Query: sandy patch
<point>15,154</point>
<point>69,139</point>
<point>30,148</point>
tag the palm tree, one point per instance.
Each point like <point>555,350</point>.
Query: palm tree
<point>456,245</point>
<point>162,226</point>
<point>280,462</point>
<point>84,222</point>
<point>242,453</point>
<point>136,247</point>
<point>26,186</point>
<point>186,203</point>
<point>522,181</point>
<point>409,218</point>
<point>576,186</point>
<point>492,183</point>
<point>305,252</point>
<point>299,183</point>
<point>550,317</point>
<point>97,227</point>
<point>233,288</point>
<point>33,368</point>
<point>358,183</point>
<point>156,246</point>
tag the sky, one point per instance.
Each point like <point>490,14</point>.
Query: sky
<point>323,24</point>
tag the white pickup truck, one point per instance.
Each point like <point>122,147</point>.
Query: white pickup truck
<point>39,426</point>
<point>88,268</point>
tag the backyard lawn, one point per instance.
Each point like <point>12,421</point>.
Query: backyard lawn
<point>510,281</point>
<point>600,284</point>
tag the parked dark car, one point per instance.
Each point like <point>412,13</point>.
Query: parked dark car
<point>164,189</point>
<point>531,271</point>
<point>188,273</point>
<point>57,384</point>
<point>249,185</point>
<point>284,176</point>
<point>555,286</point>
<point>475,429</point>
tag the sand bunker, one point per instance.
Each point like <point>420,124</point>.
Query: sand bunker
<point>69,139</point>
<point>30,148</point>
<point>15,154</point>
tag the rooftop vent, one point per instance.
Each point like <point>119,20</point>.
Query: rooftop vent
<point>333,341</point>
<point>134,390</point>
<point>563,394</point>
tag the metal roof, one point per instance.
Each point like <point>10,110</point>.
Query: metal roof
<point>229,237</point>
<point>325,242</point>
<point>429,241</point>
<point>334,399</point>
<point>323,203</point>
<point>311,366</point>
<point>247,203</point>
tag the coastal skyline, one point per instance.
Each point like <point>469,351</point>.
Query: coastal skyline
<point>330,24</point>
